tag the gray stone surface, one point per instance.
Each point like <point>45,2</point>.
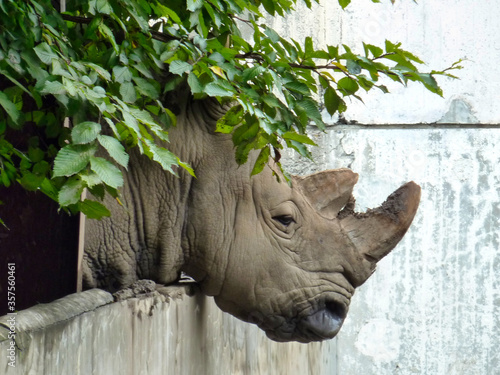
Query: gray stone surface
<point>162,335</point>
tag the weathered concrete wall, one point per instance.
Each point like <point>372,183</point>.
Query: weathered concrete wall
<point>440,32</point>
<point>167,333</point>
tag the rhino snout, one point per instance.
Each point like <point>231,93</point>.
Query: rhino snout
<point>321,324</point>
<point>325,323</point>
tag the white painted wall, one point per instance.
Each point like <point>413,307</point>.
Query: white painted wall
<point>440,32</point>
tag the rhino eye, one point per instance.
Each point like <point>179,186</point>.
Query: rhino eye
<point>286,220</point>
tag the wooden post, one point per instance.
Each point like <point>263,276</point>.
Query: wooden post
<point>81,236</point>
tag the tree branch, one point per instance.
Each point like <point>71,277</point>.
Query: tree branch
<point>154,34</point>
<point>76,19</point>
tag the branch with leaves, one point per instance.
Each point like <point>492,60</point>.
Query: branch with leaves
<point>109,64</point>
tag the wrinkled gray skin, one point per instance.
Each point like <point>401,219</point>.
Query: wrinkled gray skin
<point>281,257</point>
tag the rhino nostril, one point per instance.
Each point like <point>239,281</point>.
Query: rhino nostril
<point>336,309</point>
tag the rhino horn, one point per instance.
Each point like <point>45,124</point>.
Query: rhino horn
<point>375,233</point>
<point>328,191</point>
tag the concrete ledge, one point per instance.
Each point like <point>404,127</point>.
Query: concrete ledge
<point>159,332</point>
<point>45,315</point>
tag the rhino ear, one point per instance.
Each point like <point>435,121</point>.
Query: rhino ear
<point>327,191</point>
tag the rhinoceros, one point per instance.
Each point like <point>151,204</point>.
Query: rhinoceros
<point>287,258</point>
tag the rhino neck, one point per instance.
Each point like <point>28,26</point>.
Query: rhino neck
<point>215,193</point>
<point>144,237</point>
<point>162,202</point>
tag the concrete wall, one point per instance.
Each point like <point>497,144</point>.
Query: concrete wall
<point>440,32</point>
<point>167,333</point>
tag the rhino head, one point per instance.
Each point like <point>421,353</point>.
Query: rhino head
<point>296,254</point>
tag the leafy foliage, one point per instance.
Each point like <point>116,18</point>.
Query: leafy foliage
<point>107,64</point>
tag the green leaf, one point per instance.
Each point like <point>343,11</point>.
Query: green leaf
<point>93,209</point>
<point>127,92</point>
<point>187,167</point>
<point>31,181</point>
<point>48,188</point>
<point>169,13</point>
<point>353,67</point>
<point>45,53</point>
<point>91,179</point>
<point>35,154</point>
<point>332,101</point>
<point>233,117</point>
<point>85,132</point>
<point>194,83</point>
<point>99,70</point>
<point>72,159</point>
<point>273,35</point>
<point>107,172</point>
<point>347,85</point>
<point>219,88</point>
<point>391,47</point>
<point>251,73</point>
<point>15,81</point>
<point>146,88</point>
<point>429,82</point>
<point>4,177</point>
<point>299,87</point>
<point>194,5</point>
<point>53,87</point>
<point>9,107</point>
<point>344,3</point>
<point>179,67</point>
<point>269,6</point>
<point>164,157</point>
<point>122,74</point>
<point>300,148</point>
<point>242,151</point>
<point>271,101</point>
<point>106,31</point>
<point>115,149</point>
<point>310,107</point>
<point>261,161</point>
<point>376,51</point>
<point>70,192</point>
<point>246,131</point>
<point>301,138</point>
<point>100,6</point>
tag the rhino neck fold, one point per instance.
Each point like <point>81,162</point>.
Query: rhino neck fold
<point>155,202</point>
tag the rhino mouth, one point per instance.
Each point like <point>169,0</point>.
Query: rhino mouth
<point>321,324</point>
